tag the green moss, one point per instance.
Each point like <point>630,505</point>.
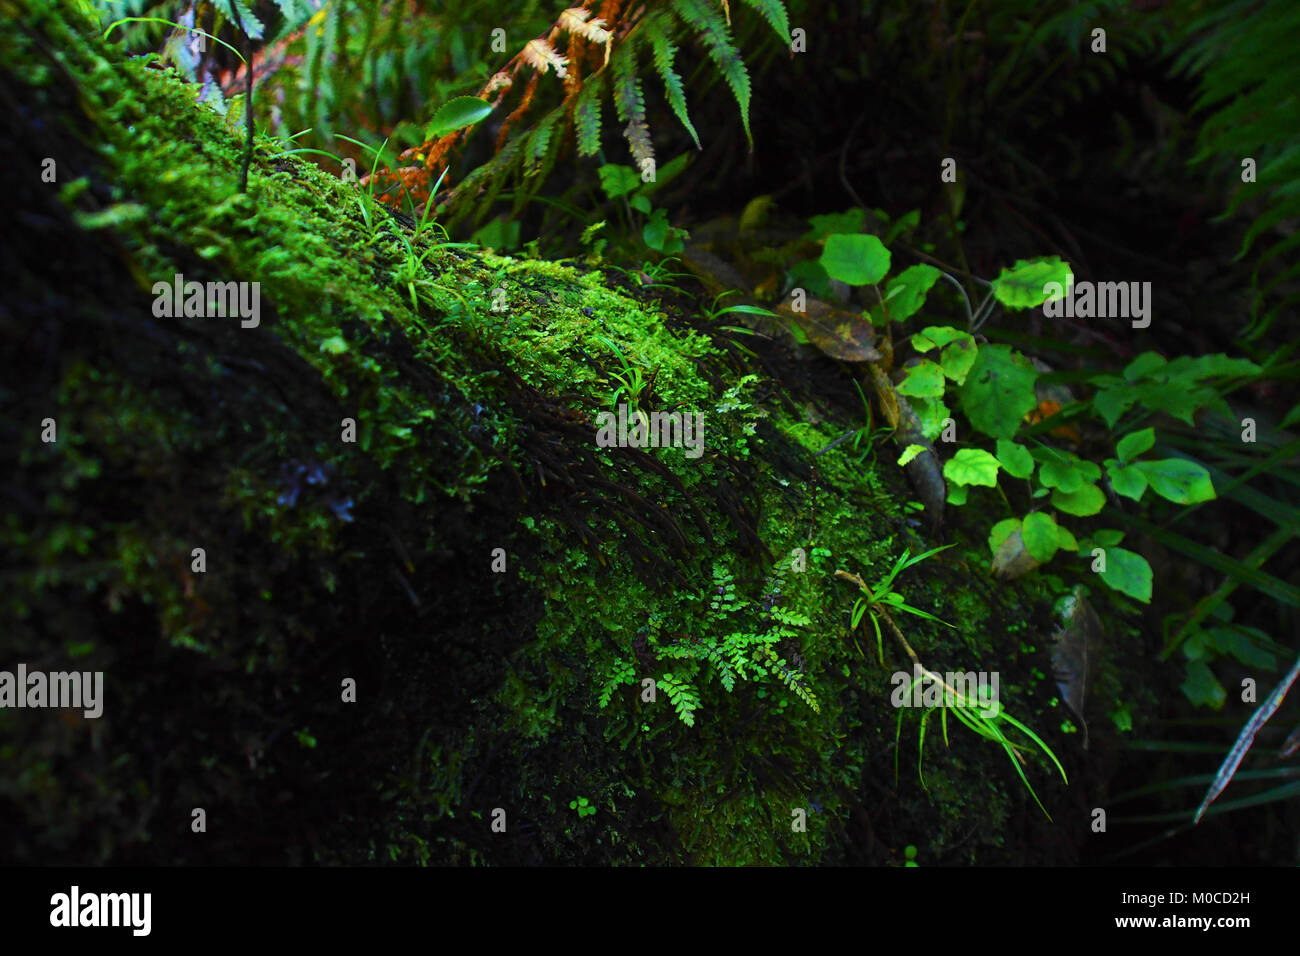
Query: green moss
<point>478,395</point>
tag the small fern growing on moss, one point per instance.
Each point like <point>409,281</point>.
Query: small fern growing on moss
<point>739,640</point>
<point>683,696</point>
<point>623,672</point>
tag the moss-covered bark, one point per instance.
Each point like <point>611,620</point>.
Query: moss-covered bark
<point>373,560</point>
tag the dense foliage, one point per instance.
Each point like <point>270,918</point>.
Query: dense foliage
<point>673,663</point>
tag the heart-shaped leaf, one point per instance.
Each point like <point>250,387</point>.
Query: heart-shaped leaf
<point>1128,573</point>
<point>906,291</point>
<point>1039,532</point>
<point>1024,285</point>
<point>999,391</point>
<point>1015,459</point>
<point>858,259</point>
<point>972,466</point>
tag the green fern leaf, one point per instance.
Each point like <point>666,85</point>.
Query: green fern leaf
<point>624,672</point>
<point>712,29</point>
<point>253,28</point>
<point>542,153</point>
<point>630,104</point>
<point>586,116</point>
<point>1248,79</point>
<point>664,52</point>
<point>773,11</point>
<point>682,696</point>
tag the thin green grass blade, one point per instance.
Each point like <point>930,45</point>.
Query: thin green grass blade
<point>1261,581</point>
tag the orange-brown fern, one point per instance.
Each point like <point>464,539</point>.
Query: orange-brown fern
<point>423,164</point>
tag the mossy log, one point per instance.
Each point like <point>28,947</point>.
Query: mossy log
<point>394,480</point>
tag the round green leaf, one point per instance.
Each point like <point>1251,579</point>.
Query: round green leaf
<point>1134,444</point>
<point>1113,401</point>
<point>906,292</point>
<point>1023,285</point>
<point>1128,573</point>
<point>1040,535</point>
<point>959,349</point>
<point>935,336</point>
<point>972,466</point>
<point>958,358</point>
<point>1015,459</point>
<point>1085,500</point>
<point>1065,540</point>
<point>655,232</point>
<point>1181,481</point>
<point>999,391</point>
<point>1063,469</point>
<point>1057,471</point>
<point>858,259</point>
<point>1106,537</point>
<point>455,114</point>
<point>924,380</point>
<point>1128,481</point>
<point>1201,686</point>
<point>932,413</point>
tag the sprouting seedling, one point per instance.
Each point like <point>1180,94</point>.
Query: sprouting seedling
<point>632,382</point>
<point>366,200</point>
<point>876,601</point>
<point>981,716</point>
<point>423,221</point>
<point>867,434</point>
<point>716,313</point>
<point>410,271</point>
<point>652,272</point>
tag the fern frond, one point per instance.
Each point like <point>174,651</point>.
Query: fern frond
<point>576,20</point>
<point>540,55</point>
<point>1248,80</point>
<point>683,697</point>
<point>773,11</point>
<point>630,104</point>
<point>543,152</point>
<point>540,146</point>
<point>624,672</point>
<point>716,36</point>
<point>296,13</point>
<point>526,158</point>
<point>586,116</point>
<point>790,678</point>
<point>529,92</point>
<point>238,12</point>
<point>664,52</point>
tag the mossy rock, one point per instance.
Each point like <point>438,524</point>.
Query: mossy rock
<point>473,382</point>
